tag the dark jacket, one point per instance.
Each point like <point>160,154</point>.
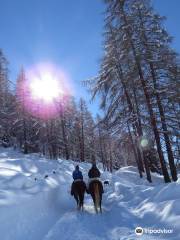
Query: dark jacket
<point>94,172</point>
<point>77,175</point>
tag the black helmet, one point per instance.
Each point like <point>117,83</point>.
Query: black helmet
<point>77,167</point>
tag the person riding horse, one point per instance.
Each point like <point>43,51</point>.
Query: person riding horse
<point>95,187</point>
<point>94,175</point>
<point>77,176</point>
<point>78,187</point>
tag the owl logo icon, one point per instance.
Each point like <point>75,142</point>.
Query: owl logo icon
<point>139,231</point>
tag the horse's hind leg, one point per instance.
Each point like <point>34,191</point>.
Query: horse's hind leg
<point>81,200</point>
<point>77,200</point>
<point>100,204</point>
<point>96,209</point>
<point>94,201</point>
<point>79,204</point>
<point>82,207</point>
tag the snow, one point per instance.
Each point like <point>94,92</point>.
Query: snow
<point>36,208</point>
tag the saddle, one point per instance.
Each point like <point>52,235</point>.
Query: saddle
<point>77,180</point>
<point>94,179</point>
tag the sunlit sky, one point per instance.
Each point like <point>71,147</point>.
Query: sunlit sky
<point>66,33</point>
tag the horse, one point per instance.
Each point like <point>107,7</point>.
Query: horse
<point>78,190</point>
<point>96,191</point>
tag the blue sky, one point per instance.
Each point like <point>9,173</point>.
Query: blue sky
<point>67,33</point>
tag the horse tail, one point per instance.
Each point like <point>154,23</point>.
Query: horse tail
<point>96,194</point>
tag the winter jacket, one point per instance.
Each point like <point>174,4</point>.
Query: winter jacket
<point>94,173</point>
<point>77,175</point>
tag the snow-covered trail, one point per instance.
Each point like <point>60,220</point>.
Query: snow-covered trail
<point>44,210</point>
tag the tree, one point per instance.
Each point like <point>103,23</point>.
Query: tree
<point>22,119</point>
<point>149,25</point>
<point>4,81</point>
<point>136,71</point>
<point>6,100</point>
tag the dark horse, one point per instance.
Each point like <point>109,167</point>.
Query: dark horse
<point>96,191</point>
<point>78,190</point>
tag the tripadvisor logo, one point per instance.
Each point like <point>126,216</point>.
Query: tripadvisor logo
<point>139,231</point>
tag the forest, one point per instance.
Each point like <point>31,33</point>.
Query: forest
<point>89,120</point>
<point>137,89</point>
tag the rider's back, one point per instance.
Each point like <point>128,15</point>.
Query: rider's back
<point>77,175</point>
<point>94,173</point>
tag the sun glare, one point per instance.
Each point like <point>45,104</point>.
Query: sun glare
<point>46,88</point>
<point>144,143</point>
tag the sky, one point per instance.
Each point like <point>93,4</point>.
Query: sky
<point>65,33</point>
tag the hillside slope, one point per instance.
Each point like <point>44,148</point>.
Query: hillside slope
<point>35,208</point>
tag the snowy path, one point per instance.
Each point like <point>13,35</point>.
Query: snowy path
<point>44,209</point>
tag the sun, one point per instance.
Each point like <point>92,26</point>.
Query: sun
<point>46,91</point>
<point>46,88</point>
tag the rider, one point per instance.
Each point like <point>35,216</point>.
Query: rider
<point>94,172</point>
<point>77,176</point>
<point>94,175</point>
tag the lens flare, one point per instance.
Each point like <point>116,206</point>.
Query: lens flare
<point>46,90</point>
<point>144,143</point>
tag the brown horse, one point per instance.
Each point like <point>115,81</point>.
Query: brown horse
<point>78,190</point>
<point>96,191</point>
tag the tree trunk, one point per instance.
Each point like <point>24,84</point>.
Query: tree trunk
<point>25,136</point>
<point>136,156</point>
<point>101,147</point>
<point>66,150</point>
